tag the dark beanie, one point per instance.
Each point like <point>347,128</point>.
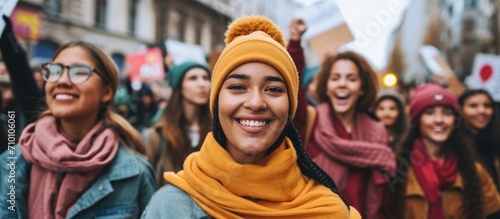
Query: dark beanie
<point>176,73</point>
<point>430,95</point>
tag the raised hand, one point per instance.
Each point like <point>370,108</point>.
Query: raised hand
<point>297,28</point>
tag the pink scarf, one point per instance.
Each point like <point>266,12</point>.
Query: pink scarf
<point>369,149</point>
<point>433,177</point>
<point>62,170</point>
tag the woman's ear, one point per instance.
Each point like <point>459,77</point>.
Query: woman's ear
<point>107,94</point>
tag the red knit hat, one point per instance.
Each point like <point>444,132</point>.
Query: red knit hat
<point>429,95</point>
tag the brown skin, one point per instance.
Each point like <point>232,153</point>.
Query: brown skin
<point>80,112</point>
<point>253,110</point>
<point>477,111</point>
<point>297,28</point>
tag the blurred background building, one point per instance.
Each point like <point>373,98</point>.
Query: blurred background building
<point>458,29</point>
<point>122,27</point>
<point>119,27</point>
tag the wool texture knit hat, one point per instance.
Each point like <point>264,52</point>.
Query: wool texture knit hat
<point>255,39</point>
<point>176,74</point>
<point>429,95</point>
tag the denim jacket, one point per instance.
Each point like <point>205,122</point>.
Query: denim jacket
<point>121,191</point>
<point>171,202</point>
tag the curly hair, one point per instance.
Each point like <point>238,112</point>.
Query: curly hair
<point>369,80</point>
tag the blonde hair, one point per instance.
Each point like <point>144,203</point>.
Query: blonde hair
<point>105,65</point>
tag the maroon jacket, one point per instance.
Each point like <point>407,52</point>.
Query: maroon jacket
<point>297,54</point>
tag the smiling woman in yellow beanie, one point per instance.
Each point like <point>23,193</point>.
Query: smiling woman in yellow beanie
<point>253,165</point>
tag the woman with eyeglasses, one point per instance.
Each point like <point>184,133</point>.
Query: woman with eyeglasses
<point>79,159</point>
<point>437,175</point>
<point>20,88</point>
<point>483,126</point>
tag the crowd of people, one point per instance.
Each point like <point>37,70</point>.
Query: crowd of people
<point>257,136</point>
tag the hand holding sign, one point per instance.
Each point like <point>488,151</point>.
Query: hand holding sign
<point>485,73</point>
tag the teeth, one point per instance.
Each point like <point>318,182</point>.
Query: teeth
<point>341,95</point>
<point>64,97</point>
<point>252,123</point>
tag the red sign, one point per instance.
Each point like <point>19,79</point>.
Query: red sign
<point>146,66</point>
<point>486,72</point>
<point>26,22</point>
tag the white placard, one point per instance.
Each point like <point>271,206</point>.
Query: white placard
<point>320,17</point>
<point>486,74</point>
<point>6,8</point>
<point>183,52</point>
<point>429,54</point>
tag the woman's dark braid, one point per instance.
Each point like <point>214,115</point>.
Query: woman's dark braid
<point>307,166</point>
<point>219,135</point>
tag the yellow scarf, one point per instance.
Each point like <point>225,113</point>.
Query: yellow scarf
<point>275,189</point>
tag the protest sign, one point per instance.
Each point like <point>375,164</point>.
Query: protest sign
<point>6,8</point>
<point>441,70</point>
<point>183,52</point>
<point>486,74</point>
<point>146,66</point>
<point>26,23</point>
<point>327,29</point>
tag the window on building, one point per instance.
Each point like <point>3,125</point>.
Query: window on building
<point>133,16</point>
<point>53,7</point>
<point>100,13</point>
<point>470,3</point>
<point>120,62</point>
<point>43,51</point>
<point>181,27</point>
<point>172,30</point>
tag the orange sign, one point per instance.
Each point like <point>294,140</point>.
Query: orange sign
<point>26,23</point>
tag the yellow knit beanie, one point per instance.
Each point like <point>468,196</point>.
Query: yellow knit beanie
<point>255,39</point>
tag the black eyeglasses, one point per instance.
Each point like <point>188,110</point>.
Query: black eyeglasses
<point>77,73</point>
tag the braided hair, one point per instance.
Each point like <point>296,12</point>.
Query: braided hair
<point>306,165</point>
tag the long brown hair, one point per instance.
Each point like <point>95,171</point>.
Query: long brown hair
<point>485,138</point>
<point>400,126</point>
<point>175,130</point>
<point>457,144</point>
<point>105,65</point>
<point>369,80</point>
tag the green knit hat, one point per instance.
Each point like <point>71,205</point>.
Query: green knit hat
<point>176,74</point>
